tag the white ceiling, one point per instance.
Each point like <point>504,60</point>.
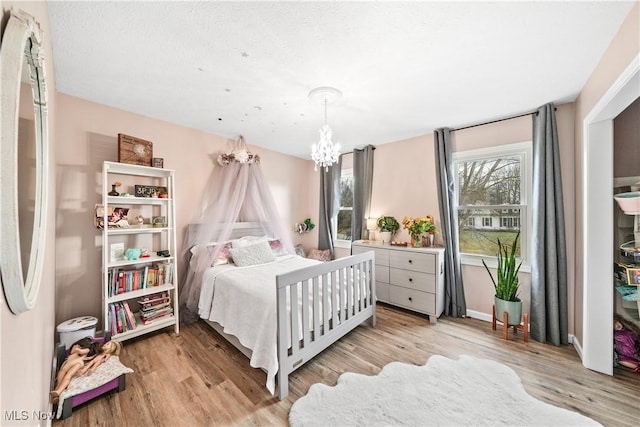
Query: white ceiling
<point>405,68</point>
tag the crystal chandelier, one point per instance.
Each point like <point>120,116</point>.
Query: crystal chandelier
<point>325,152</point>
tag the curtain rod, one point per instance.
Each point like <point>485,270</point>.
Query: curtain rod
<point>496,121</point>
<point>501,120</point>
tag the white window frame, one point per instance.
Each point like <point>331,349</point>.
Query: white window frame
<point>341,243</point>
<point>524,151</point>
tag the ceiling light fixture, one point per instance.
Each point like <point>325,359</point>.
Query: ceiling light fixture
<point>325,152</point>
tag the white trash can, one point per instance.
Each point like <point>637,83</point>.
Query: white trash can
<point>77,328</point>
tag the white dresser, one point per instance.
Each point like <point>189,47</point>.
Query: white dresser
<point>408,277</point>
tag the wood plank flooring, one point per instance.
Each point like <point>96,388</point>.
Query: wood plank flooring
<point>197,378</point>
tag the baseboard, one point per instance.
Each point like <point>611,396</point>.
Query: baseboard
<point>480,315</point>
<point>484,316</point>
<point>576,344</point>
<point>489,318</point>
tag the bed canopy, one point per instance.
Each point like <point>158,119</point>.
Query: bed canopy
<point>236,192</point>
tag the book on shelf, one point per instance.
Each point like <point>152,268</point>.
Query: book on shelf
<point>149,308</point>
<point>121,318</point>
<point>155,306</point>
<point>120,281</point>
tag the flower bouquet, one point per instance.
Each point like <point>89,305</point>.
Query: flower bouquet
<point>418,226</point>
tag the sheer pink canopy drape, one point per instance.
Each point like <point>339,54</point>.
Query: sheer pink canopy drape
<point>236,192</point>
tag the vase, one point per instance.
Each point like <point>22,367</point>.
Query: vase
<point>113,191</point>
<point>416,241</point>
<point>428,240</point>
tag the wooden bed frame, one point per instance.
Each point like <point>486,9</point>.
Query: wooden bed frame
<point>352,276</point>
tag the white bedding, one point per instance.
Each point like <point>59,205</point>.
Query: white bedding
<point>243,301</point>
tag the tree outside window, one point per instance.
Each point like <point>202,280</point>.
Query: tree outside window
<point>343,226</point>
<point>491,186</point>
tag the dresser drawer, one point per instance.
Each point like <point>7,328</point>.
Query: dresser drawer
<point>413,261</point>
<point>382,273</point>
<point>412,279</point>
<point>412,299</point>
<point>382,255</point>
<point>382,291</point>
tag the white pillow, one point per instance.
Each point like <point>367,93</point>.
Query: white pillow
<point>257,253</point>
<point>247,240</point>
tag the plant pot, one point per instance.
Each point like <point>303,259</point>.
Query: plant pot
<point>416,240</point>
<point>385,236</point>
<point>513,309</point>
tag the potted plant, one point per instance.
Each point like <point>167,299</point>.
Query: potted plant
<point>388,226</point>
<point>507,283</point>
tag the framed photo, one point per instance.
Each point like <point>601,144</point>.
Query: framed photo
<point>633,276</point>
<point>157,162</point>
<point>134,150</point>
<point>116,217</point>
<point>116,252</point>
<point>159,221</point>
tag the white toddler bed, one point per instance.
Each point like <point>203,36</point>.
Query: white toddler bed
<point>284,312</point>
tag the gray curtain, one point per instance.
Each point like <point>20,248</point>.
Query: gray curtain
<point>454,303</point>
<point>548,260</point>
<point>362,183</point>
<point>329,203</point>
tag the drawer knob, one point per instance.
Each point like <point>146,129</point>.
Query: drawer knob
<point>410,299</point>
<point>410,279</point>
<point>410,261</point>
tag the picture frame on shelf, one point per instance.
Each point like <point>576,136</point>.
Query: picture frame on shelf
<point>633,276</point>
<point>116,251</point>
<point>157,162</point>
<point>159,221</point>
<point>116,217</point>
<point>134,151</point>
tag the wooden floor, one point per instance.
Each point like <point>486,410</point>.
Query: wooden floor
<point>197,378</point>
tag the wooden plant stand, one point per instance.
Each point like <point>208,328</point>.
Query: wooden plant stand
<point>505,325</point>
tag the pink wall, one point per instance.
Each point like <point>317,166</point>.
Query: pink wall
<point>87,136</point>
<point>404,184</point>
<point>622,50</point>
<point>26,340</point>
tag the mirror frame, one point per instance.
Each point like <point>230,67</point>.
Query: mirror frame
<point>21,33</point>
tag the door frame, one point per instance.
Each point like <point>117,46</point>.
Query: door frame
<point>597,215</point>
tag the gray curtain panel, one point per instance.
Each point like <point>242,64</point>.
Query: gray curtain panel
<point>548,244</point>
<point>454,303</point>
<point>329,203</point>
<point>362,184</point>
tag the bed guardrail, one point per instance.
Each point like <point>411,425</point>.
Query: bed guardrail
<point>318,305</point>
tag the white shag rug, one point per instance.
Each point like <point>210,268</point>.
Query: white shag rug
<point>444,392</point>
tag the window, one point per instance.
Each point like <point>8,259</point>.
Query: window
<point>493,185</point>
<point>343,221</point>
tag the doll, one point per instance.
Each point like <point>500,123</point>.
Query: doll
<point>627,346</point>
<point>84,358</point>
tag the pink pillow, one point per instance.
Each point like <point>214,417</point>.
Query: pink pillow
<point>223,256</point>
<point>277,248</point>
<point>320,255</point>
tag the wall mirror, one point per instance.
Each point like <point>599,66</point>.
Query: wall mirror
<point>23,161</point>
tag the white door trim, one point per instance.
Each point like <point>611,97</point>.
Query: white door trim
<point>597,215</point>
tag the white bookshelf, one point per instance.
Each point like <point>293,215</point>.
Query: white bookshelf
<point>146,235</point>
